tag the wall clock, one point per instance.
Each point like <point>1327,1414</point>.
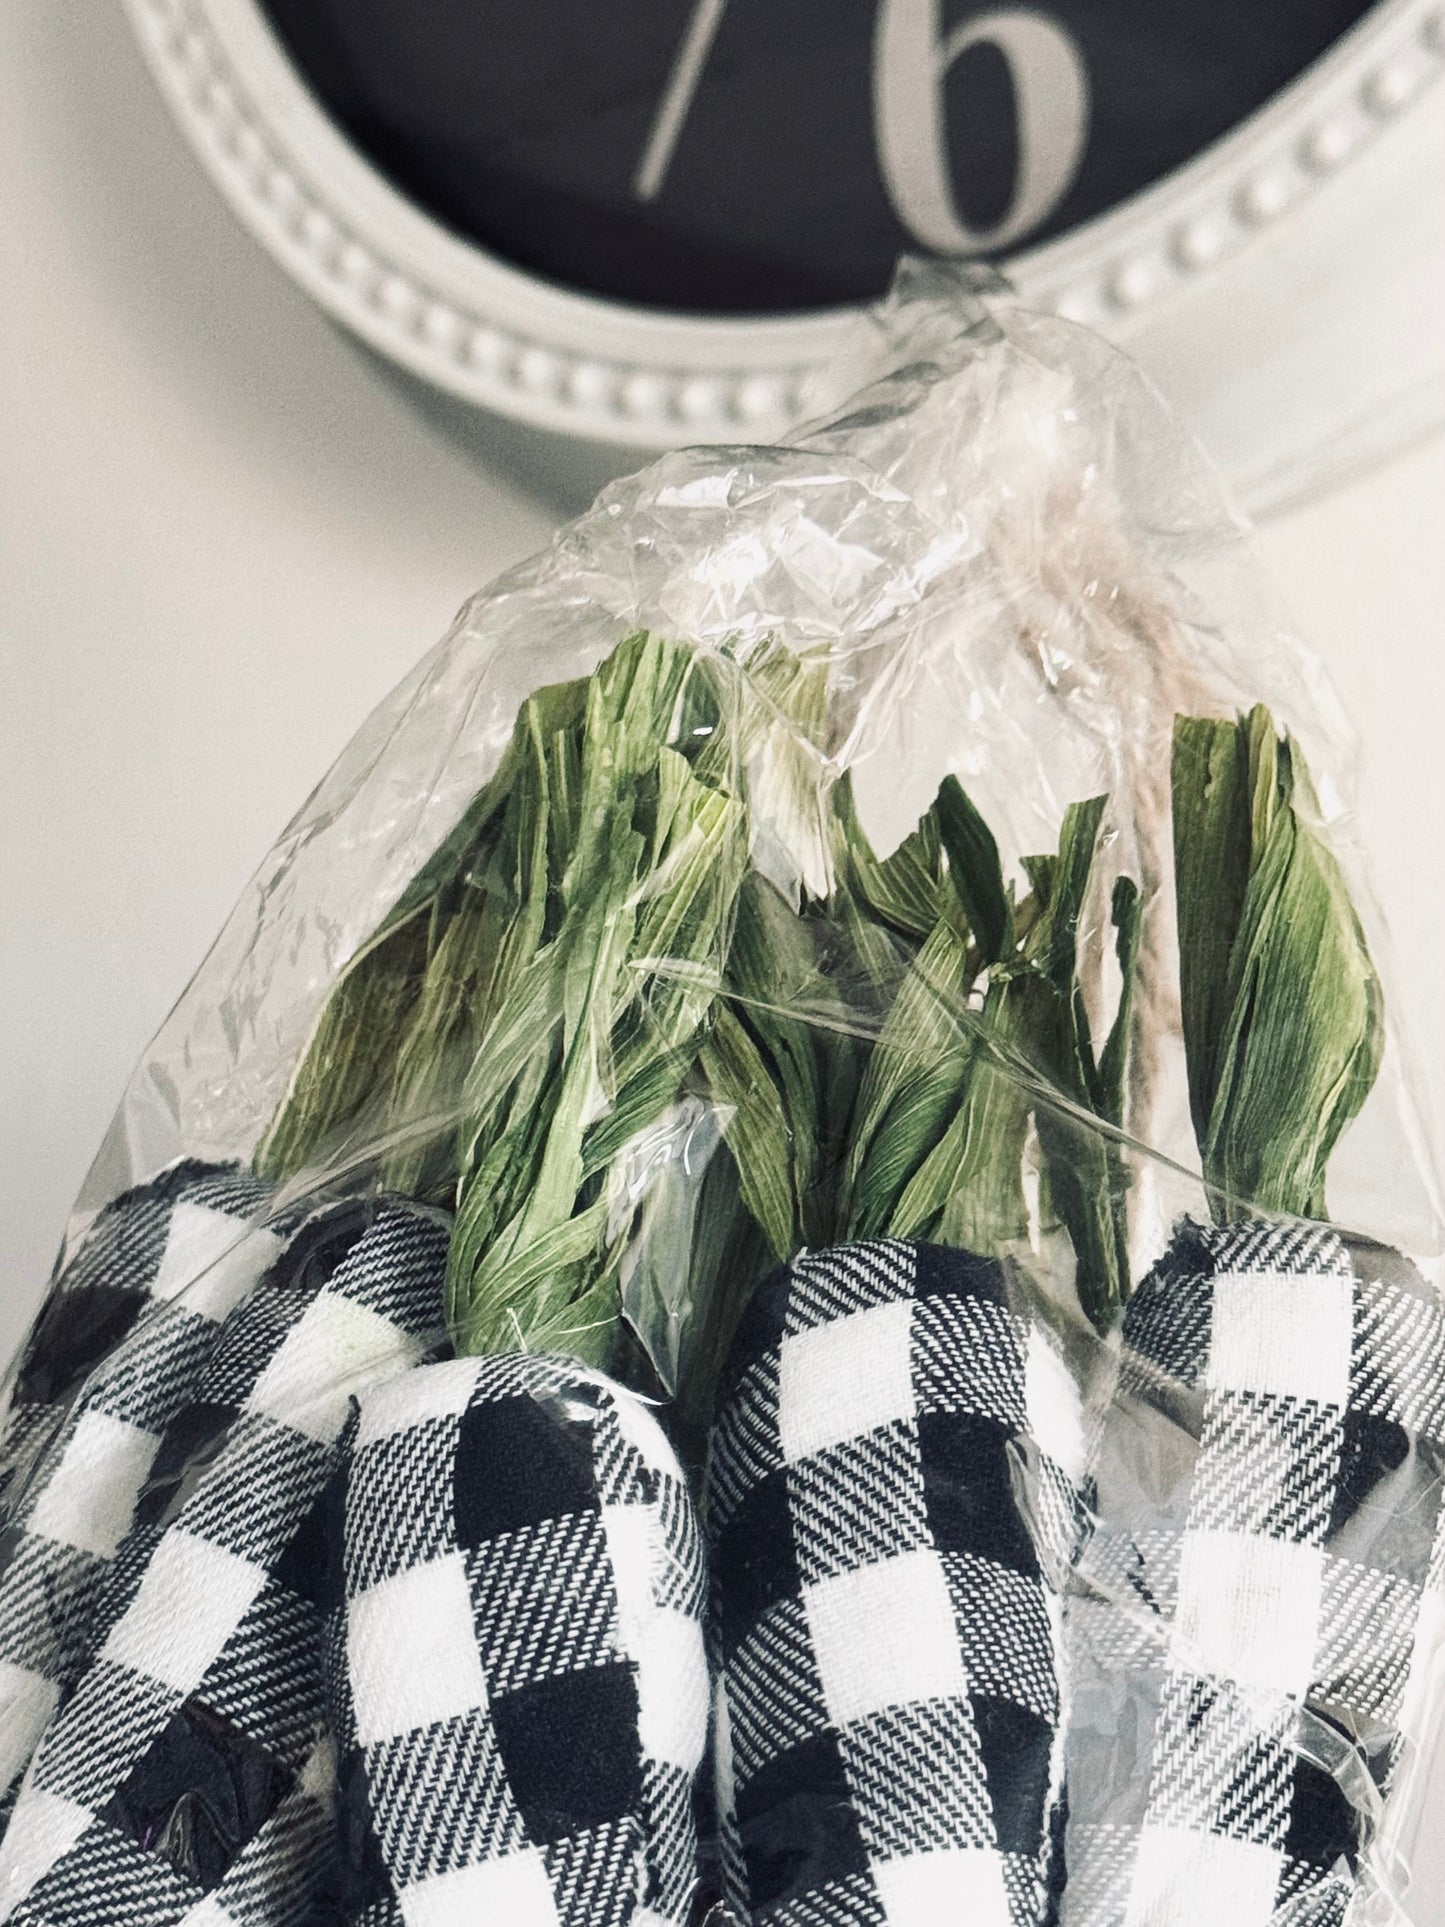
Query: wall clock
<point>648,224</point>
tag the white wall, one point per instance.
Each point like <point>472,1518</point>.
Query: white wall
<point>225,535</point>
<point>225,532</point>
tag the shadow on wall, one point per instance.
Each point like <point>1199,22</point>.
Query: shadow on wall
<point>208,304</point>
<point>563,473</point>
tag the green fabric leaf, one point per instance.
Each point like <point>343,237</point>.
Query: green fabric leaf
<point>903,891</point>
<point>912,1084</point>
<point>1054,940</point>
<point>1127,913</point>
<point>758,1132</point>
<point>969,1190</point>
<point>351,1058</point>
<point>1285,1033</point>
<point>973,864</point>
<point>1086,1179</point>
<point>729,1256</point>
<point>651,884</point>
<point>781,1057</point>
<point>1212,844</point>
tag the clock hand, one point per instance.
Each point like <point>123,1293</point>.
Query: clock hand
<point>681,86</point>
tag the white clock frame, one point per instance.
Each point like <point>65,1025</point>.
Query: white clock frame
<point>495,335</point>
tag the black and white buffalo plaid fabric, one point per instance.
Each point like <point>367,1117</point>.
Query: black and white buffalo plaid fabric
<point>519,1681</point>
<point>132,1321</point>
<point>887,1734</point>
<point>1267,1556</point>
<point>189,1778</point>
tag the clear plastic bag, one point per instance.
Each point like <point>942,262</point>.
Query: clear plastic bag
<point>926,832</point>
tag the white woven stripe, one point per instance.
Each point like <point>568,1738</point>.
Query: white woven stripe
<point>49,1826</point>
<point>775,1699</point>
<point>745,1446</point>
<point>865,1357</point>
<point>1399,1342</point>
<point>212,1263</point>
<point>848,1278</point>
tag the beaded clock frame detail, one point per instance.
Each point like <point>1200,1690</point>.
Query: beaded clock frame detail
<point>492,334</point>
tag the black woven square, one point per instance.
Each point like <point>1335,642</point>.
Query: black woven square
<point>797,1824</point>
<point>571,1749</point>
<point>1016,1746</point>
<point>515,1466</point>
<point>755,1563</point>
<point>968,1484</point>
<point>198,1794</point>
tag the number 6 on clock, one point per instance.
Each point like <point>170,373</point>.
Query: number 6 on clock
<point>911,58</point>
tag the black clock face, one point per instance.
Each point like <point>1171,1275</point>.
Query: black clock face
<point>758,156</point>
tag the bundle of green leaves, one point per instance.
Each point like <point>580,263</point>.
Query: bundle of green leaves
<point>896,1046</point>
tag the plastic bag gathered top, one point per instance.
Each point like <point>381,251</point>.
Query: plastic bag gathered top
<point>781,1268</point>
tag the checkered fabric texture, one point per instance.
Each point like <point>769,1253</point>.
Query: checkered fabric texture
<point>519,1678</point>
<point>1267,1557</point>
<point>887,1741</point>
<point>190,1777</point>
<point>129,1327</point>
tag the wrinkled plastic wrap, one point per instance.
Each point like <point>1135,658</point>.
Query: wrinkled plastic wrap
<point>788,858</point>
